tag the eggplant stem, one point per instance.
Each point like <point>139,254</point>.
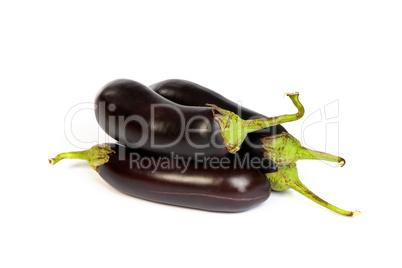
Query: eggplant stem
<point>96,156</point>
<point>256,124</point>
<point>287,177</point>
<point>285,149</point>
<point>316,155</point>
<point>234,129</point>
<point>301,188</point>
<point>70,155</point>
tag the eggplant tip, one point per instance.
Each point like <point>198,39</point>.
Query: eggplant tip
<point>290,94</point>
<point>342,162</point>
<point>357,212</point>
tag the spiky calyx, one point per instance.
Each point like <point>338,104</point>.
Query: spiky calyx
<point>287,178</point>
<point>286,150</point>
<point>234,129</point>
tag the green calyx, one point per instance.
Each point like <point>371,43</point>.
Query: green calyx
<point>287,178</point>
<point>96,156</point>
<point>285,150</point>
<point>234,129</point>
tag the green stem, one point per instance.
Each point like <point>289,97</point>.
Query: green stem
<point>287,177</point>
<point>253,125</point>
<point>301,188</point>
<point>96,156</point>
<point>316,155</point>
<point>234,129</point>
<point>83,155</point>
<point>285,149</point>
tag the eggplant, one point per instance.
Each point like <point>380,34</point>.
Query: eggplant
<point>183,92</point>
<point>138,117</point>
<point>273,143</point>
<point>192,185</point>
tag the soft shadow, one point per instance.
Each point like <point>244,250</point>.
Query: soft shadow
<point>79,164</point>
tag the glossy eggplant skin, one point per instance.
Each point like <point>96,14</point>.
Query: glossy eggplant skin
<point>220,190</point>
<point>188,93</point>
<point>137,117</point>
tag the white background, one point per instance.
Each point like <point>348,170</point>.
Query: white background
<point>57,54</point>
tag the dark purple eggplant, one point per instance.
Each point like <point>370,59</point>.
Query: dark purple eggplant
<point>273,143</point>
<point>194,186</point>
<point>183,92</point>
<point>137,117</point>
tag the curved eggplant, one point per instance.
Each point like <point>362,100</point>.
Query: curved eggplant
<point>199,187</point>
<point>137,117</point>
<point>273,143</point>
<point>184,92</point>
<point>189,93</point>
